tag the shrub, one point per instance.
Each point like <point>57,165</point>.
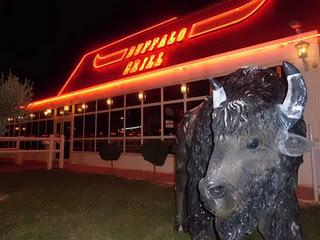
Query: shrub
<point>155,152</point>
<point>110,152</point>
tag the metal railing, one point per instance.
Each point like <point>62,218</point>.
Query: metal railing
<point>51,149</point>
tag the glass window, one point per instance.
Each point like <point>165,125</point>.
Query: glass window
<point>102,124</point>
<point>67,109</point>
<point>116,124</point>
<point>35,129</point>
<point>89,125</point>
<point>102,104</point>
<point>41,145</point>
<point>133,122</point>
<point>36,115</point>
<point>119,143</point>
<point>44,116</point>
<point>132,99</point>
<point>99,144</point>
<point>60,111</point>
<point>23,129</point>
<point>133,146</point>
<point>29,129</point>
<point>171,143</point>
<point>172,92</point>
<point>49,127</point>
<point>78,126</point>
<point>117,102</point>
<point>173,114</point>
<point>91,106</point>
<point>152,96</point>
<point>88,145</point>
<point>152,121</point>
<point>16,130</point>
<point>77,145</point>
<point>80,107</point>
<point>199,88</point>
<point>193,104</point>
<point>41,115</point>
<point>11,130</point>
<point>42,128</point>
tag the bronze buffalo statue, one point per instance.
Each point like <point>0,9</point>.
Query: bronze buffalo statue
<point>238,156</point>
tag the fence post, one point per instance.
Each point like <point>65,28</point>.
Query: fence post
<point>61,154</point>
<point>50,153</point>
<point>314,166</point>
<point>19,159</point>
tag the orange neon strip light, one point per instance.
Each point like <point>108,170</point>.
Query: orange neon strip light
<point>172,69</point>
<point>226,19</point>
<point>110,44</point>
<point>102,61</point>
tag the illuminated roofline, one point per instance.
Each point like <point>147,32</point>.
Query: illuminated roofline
<point>110,44</point>
<point>125,81</point>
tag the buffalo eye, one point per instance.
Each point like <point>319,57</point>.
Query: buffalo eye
<point>253,143</point>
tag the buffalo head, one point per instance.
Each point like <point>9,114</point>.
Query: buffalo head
<point>252,143</point>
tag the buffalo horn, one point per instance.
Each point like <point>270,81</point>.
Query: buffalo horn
<point>296,98</point>
<point>219,95</point>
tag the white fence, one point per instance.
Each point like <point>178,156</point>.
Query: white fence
<point>314,157</point>
<point>50,148</point>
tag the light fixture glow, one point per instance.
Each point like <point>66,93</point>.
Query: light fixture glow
<point>302,49</point>
<point>109,101</point>
<point>66,108</point>
<point>184,88</point>
<point>141,96</point>
<point>84,106</point>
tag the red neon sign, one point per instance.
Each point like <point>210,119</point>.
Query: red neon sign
<point>148,62</point>
<point>225,19</point>
<point>102,61</point>
<point>154,48</point>
<point>155,60</point>
<point>214,23</point>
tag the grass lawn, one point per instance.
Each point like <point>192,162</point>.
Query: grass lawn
<point>64,205</point>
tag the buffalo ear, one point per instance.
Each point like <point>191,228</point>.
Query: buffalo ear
<point>293,145</point>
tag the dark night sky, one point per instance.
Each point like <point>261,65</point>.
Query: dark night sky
<point>43,40</point>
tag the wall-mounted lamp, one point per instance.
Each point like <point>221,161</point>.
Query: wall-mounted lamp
<point>84,106</point>
<point>32,115</point>
<point>184,88</point>
<point>302,46</point>
<point>141,96</point>
<point>61,112</point>
<point>66,108</point>
<point>109,101</point>
<point>302,49</point>
<point>47,112</point>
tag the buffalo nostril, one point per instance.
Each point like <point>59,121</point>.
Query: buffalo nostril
<point>217,191</point>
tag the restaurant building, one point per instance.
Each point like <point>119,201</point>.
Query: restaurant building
<point>136,89</point>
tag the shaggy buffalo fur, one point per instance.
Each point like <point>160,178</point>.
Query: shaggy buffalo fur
<point>271,207</point>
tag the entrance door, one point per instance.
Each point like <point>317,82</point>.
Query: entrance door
<point>64,127</point>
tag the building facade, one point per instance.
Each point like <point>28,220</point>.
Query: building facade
<point>136,89</point>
